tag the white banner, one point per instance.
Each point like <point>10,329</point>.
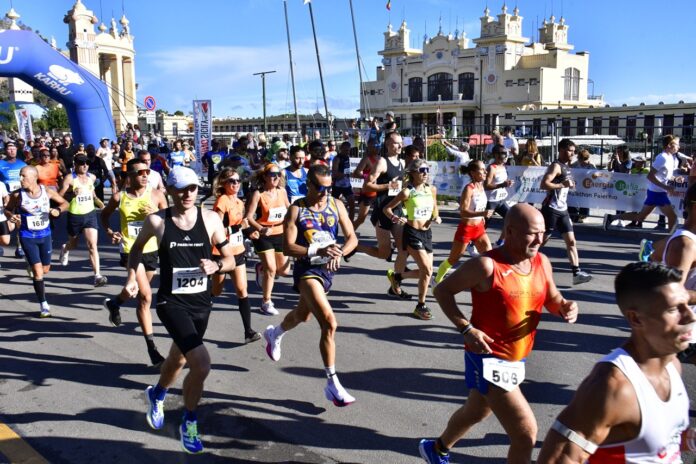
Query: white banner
<point>202,130</point>
<point>24,128</point>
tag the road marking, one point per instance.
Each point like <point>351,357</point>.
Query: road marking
<point>17,450</point>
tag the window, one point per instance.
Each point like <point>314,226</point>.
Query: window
<point>550,126</point>
<point>582,126</point>
<point>688,127</point>
<point>533,81</point>
<point>468,122</point>
<point>667,123</point>
<point>466,86</point>
<point>565,127</point>
<point>597,125</point>
<point>521,82</point>
<point>416,123</point>
<point>487,123</point>
<point>572,84</point>
<point>649,125</point>
<point>440,84</point>
<point>536,128</point>
<point>415,89</point>
<point>508,83</point>
<point>614,125</point>
<point>631,128</point>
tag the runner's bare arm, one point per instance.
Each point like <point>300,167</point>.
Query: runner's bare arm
<point>159,199</point>
<point>436,212</point>
<point>474,273</point>
<point>488,183</point>
<point>216,230</point>
<point>400,198</point>
<point>290,248</point>
<point>251,211</point>
<point>153,226</point>
<point>57,198</point>
<point>351,240</point>
<point>555,303</point>
<point>359,168</point>
<point>370,184</point>
<point>551,173</point>
<point>11,206</point>
<point>67,182</point>
<point>465,201</point>
<point>604,408</point>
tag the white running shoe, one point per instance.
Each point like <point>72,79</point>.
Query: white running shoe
<point>100,280</point>
<point>268,308</point>
<point>64,256</point>
<point>272,343</point>
<point>473,252</point>
<point>581,277</point>
<point>44,310</point>
<point>335,392</point>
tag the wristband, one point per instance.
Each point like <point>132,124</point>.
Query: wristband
<point>219,271</point>
<point>467,329</point>
<point>312,250</point>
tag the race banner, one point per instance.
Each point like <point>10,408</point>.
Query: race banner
<point>24,125</point>
<point>202,130</point>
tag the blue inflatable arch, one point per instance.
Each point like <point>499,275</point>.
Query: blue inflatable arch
<point>25,55</point>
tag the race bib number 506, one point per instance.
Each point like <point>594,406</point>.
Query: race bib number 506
<point>507,375</point>
<point>188,280</point>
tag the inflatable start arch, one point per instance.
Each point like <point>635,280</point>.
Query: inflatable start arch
<point>25,55</point>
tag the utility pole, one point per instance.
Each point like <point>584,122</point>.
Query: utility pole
<point>263,90</point>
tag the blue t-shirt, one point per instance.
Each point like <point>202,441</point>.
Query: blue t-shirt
<point>296,187</point>
<point>176,158</point>
<point>9,173</point>
<point>213,160</point>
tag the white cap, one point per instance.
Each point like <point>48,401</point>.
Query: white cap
<point>181,177</point>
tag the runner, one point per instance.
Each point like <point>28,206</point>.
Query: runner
<point>296,175</point>
<point>633,407</point>
<point>9,175</point>
<point>340,172</point>
<point>179,157</point>
<point>29,209</point>
<point>557,181</point>
<point>496,183</point>
<point>386,179</point>
<point>107,154</point>
<point>49,173</point>
<point>82,216</point>
<point>6,226</point>
<point>500,333</point>
<point>420,200</point>
<point>311,230</point>
<point>265,212</point>
<point>134,204</point>
<point>362,171</point>
<point>185,234</point>
<point>231,210</point>
<point>473,213</point>
<point>154,179</point>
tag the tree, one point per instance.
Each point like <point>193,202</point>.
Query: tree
<point>178,113</point>
<point>56,118</point>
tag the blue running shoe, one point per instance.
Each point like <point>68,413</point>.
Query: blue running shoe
<point>646,249</point>
<point>428,453</point>
<point>19,253</point>
<point>155,411</point>
<point>190,440</point>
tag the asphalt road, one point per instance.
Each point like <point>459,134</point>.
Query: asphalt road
<point>72,386</point>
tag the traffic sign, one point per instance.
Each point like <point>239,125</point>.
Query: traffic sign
<point>150,117</point>
<point>150,103</point>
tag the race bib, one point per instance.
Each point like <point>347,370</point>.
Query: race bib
<point>188,280</point>
<point>237,238</point>
<point>37,221</point>
<point>322,239</point>
<point>84,199</point>
<point>500,194</point>
<point>277,214</point>
<point>13,185</point>
<point>423,213</point>
<point>507,375</point>
<point>563,195</point>
<point>134,228</point>
<point>394,192</point>
<point>356,183</point>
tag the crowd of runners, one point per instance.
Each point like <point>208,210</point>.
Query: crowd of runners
<point>295,211</point>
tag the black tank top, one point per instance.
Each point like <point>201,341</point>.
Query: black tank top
<point>558,199</point>
<point>386,177</point>
<point>182,282</point>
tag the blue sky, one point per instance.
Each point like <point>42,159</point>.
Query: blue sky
<point>210,48</point>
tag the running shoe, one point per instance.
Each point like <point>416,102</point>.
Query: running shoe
<point>394,284</point>
<point>19,252</point>
<point>402,296</point>
<point>259,274</point>
<point>155,409</point>
<point>429,454</point>
<point>252,337</point>
<point>473,252</point>
<point>268,308</point>
<point>114,311</point>
<point>190,440</point>
<point>500,242</point>
<point>272,343</point>
<point>30,272</point>
<point>608,219</point>
<point>45,310</point>
<point>422,312</point>
<point>581,277</point>
<point>156,359</point>
<point>646,250</point>
<point>64,256</point>
<point>100,280</point>
<point>335,393</point>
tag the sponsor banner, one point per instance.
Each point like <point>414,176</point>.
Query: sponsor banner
<point>202,130</point>
<point>24,128</point>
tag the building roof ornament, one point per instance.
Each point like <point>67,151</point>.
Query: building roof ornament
<point>102,27</point>
<point>486,11</point>
<point>13,16</point>
<point>516,11</point>
<point>504,8</point>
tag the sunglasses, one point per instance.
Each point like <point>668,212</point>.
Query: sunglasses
<point>80,163</point>
<point>141,172</point>
<point>424,170</point>
<point>273,175</point>
<point>321,189</point>
<point>232,180</point>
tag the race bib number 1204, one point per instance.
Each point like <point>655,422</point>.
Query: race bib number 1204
<point>188,280</point>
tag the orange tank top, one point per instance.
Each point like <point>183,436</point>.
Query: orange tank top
<point>510,310</point>
<point>48,175</point>
<point>233,210</point>
<point>367,170</point>
<point>271,211</point>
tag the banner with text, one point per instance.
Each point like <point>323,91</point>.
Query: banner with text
<point>202,130</point>
<point>24,127</point>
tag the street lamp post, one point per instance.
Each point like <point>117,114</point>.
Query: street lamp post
<point>263,90</point>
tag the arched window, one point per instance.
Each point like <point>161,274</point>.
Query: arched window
<point>572,84</point>
<point>466,85</point>
<point>415,89</point>
<point>440,84</point>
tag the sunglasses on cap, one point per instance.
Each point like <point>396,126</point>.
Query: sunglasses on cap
<point>232,180</point>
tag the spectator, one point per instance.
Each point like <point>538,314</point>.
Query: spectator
<point>461,154</point>
<point>531,156</point>
<point>583,162</point>
<point>510,142</point>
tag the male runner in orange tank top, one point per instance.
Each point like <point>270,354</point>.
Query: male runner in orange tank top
<point>509,286</point>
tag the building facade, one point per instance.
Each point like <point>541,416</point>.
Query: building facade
<point>503,79</point>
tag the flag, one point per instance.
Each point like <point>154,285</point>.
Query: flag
<point>307,1</point>
<point>388,5</point>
